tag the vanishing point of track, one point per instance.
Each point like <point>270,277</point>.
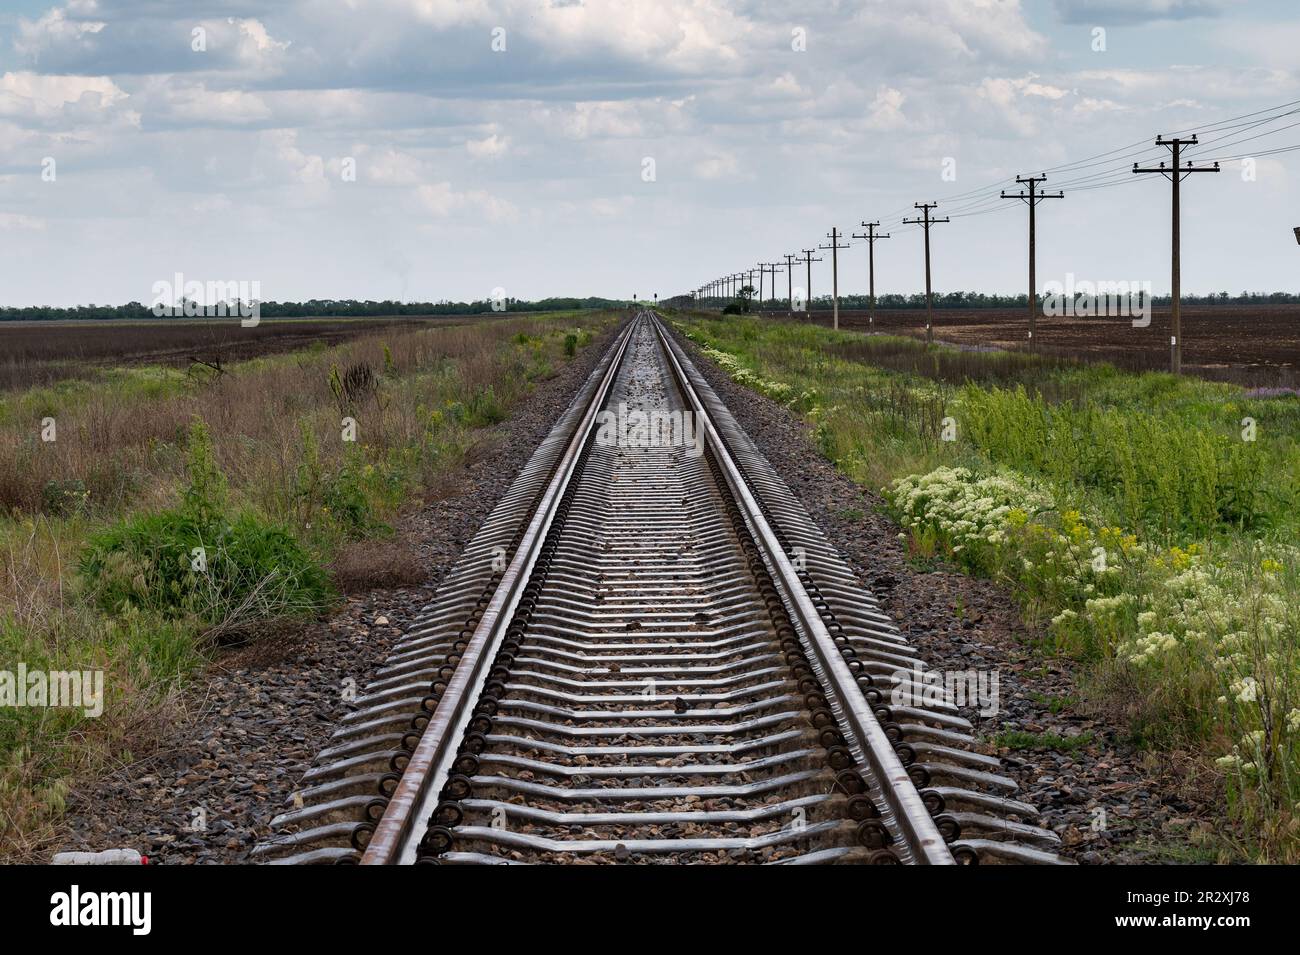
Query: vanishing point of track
<point>650,654</point>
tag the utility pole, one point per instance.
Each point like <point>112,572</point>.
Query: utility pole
<point>1175,175</point>
<point>762,271</point>
<point>789,277</point>
<point>926,221</point>
<point>834,236</point>
<point>808,261</point>
<point>1032,198</point>
<point>774,267</point>
<point>871,235</point>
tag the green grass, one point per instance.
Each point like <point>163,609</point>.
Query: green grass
<point>1054,704</point>
<point>1146,523</point>
<point>1019,740</point>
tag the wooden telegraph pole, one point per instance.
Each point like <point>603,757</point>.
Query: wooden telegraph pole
<point>871,235</point>
<point>789,278</point>
<point>834,236</point>
<point>926,221</point>
<point>1032,198</point>
<point>808,261</point>
<point>774,267</point>
<point>1175,174</point>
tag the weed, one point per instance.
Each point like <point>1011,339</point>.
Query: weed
<point>1019,739</point>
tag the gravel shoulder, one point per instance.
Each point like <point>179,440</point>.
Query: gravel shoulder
<point>257,718</point>
<point>1108,802</point>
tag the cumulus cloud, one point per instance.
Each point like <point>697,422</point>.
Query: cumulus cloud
<point>55,30</point>
<point>53,91</point>
<point>491,147</point>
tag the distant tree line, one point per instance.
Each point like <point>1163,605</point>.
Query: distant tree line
<point>314,308</point>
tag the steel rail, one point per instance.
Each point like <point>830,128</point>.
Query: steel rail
<point>505,727</point>
<point>393,840</point>
<point>910,817</point>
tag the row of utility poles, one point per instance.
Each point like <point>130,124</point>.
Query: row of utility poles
<point>1031,194</point>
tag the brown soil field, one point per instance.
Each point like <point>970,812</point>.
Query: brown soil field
<point>36,353</point>
<point>1248,344</point>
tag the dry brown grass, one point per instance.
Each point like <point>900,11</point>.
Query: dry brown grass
<point>363,566</point>
<point>41,353</point>
<point>275,424</point>
<point>121,440</point>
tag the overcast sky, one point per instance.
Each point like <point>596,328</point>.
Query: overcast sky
<point>526,167</point>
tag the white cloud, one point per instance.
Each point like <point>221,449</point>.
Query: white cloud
<point>196,105</point>
<point>492,147</point>
<point>54,29</point>
<point>16,222</point>
<point>914,34</point>
<point>385,166</point>
<point>54,91</point>
<point>213,205</point>
<point>787,85</point>
<point>717,166</point>
<point>1271,44</point>
<point>886,109</point>
<point>442,201</point>
<point>613,119</point>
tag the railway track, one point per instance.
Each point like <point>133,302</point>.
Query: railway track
<point>650,654</point>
